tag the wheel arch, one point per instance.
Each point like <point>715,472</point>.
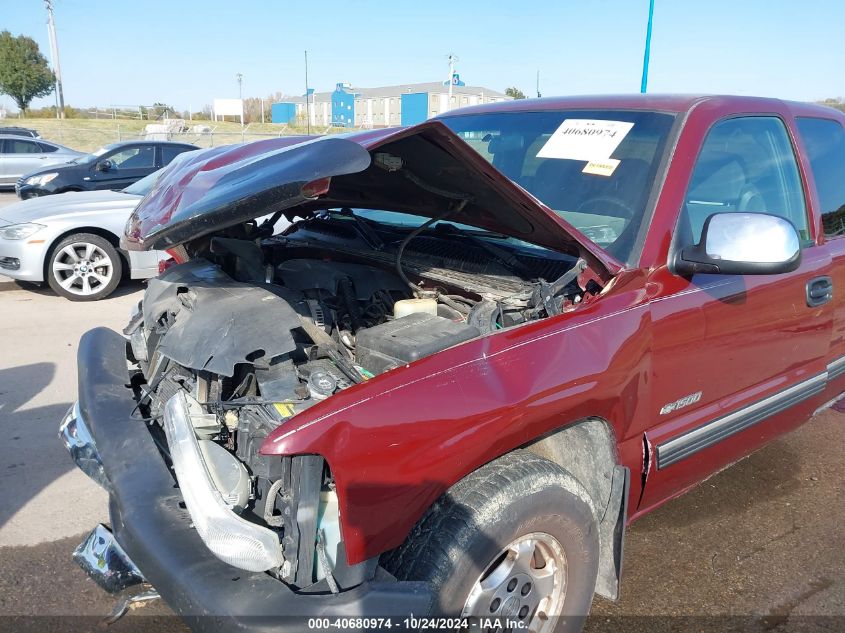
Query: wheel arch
<point>588,450</point>
<point>113,239</point>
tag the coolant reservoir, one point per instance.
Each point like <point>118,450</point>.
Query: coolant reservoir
<point>410,306</point>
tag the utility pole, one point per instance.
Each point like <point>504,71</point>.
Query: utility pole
<point>54,54</point>
<point>647,54</point>
<point>307,98</point>
<point>452,59</point>
<point>240,79</point>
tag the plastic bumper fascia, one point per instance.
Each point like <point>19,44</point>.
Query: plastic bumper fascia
<point>154,530</point>
<point>30,256</point>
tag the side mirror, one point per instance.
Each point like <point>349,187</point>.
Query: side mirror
<point>741,244</point>
<point>104,165</point>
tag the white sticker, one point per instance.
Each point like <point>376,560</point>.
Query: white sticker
<point>585,139</point>
<point>604,167</point>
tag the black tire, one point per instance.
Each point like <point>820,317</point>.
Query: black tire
<point>466,529</point>
<point>102,251</point>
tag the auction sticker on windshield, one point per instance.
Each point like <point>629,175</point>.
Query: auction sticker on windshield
<point>604,167</point>
<point>585,139</point>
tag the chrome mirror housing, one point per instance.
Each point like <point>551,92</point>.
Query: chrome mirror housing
<point>742,244</point>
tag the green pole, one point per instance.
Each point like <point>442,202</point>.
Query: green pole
<point>644,83</point>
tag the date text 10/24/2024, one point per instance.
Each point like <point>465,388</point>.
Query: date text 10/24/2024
<point>414,623</point>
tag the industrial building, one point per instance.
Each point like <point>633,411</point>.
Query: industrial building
<point>387,106</point>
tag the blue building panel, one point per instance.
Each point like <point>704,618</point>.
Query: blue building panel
<point>343,107</point>
<point>414,108</point>
<point>283,112</point>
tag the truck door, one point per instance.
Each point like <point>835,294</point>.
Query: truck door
<point>737,359</point>
<point>824,146</point>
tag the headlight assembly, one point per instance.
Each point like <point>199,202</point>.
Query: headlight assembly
<point>19,231</point>
<point>41,179</point>
<point>229,537</point>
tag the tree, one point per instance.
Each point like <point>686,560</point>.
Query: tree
<point>515,92</point>
<point>24,73</point>
<point>837,103</point>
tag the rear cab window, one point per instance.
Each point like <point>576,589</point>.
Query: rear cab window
<point>824,141</point>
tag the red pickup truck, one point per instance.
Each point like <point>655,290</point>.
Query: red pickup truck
<point>477,350</point>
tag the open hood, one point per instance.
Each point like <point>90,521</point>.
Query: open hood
<point>424,170</point>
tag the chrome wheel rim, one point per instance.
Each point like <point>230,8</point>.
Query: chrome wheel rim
<point>83,268</point>
<point>525,582</point>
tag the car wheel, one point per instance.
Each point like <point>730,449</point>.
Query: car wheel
<point>516,540</point>
<point>84,267</point>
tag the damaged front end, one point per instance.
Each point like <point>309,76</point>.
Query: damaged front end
<point>152,532</point>
<point>254,327</point>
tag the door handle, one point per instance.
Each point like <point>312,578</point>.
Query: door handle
<point>819,291</point>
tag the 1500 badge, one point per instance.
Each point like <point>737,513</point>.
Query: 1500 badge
<point>681,403</point>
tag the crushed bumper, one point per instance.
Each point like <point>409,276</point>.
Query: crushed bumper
<point>154,530</point>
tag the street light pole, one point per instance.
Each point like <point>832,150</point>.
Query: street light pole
<point>240,79</point>
<point>307,99</point>
<point>647,54</point>
<point>54,53</point>
<point>452,60</point>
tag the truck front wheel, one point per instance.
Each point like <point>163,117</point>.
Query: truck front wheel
<point>514,541</point>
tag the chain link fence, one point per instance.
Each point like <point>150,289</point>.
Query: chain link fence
<point>87,136</point>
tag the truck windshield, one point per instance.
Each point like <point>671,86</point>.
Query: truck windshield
<point>594,168</point>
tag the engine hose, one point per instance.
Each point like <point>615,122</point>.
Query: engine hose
<point>416,232</point>
<point>468,302</point>
<point>269,518</point>
<point>324,562</point>
<point>347,293</point>
<point>455,305</point>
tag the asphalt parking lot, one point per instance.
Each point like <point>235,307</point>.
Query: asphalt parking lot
<point>760,546</point>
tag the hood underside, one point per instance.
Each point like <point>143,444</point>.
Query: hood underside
<point>425,170</point>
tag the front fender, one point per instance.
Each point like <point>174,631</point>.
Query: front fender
<point>399,441</point>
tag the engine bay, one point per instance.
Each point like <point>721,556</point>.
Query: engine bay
<point>258,328</point>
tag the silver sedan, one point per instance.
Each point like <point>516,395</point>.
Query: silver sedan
<point>70,240</point>
<point>20,155</point>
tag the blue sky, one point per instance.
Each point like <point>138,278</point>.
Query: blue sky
<point>186,52</point>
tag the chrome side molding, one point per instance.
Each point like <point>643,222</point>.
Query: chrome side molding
<point>712,432</point>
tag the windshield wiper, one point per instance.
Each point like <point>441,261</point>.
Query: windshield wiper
<point>366,230</point>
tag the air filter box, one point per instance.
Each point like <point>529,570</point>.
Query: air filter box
<point>407,339</point>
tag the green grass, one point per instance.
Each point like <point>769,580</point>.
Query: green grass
<point>86,135</point>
